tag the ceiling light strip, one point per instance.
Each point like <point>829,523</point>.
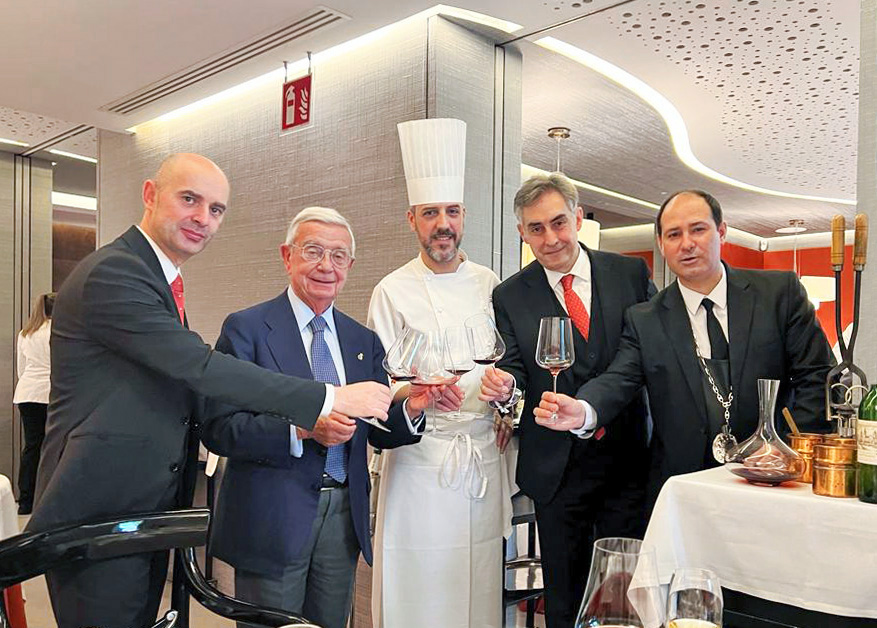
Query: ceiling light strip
<point>300,66</point>
<point>13,142</point>
<point>74,200</point>
<point>672,117</point>
<point>64,153</point>
<point>207,71</point>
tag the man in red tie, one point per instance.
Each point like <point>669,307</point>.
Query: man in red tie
<point>128,378</point>
<point>583,488</point>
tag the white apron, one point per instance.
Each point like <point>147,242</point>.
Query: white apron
<point>444,503</point>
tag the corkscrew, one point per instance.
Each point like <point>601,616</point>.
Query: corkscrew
<point>846,384</point>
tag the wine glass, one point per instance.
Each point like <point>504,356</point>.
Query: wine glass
<point>554,350</point>
<point>695,599</point>
<point>486,344</point>
<point>459,355</point>
<point>399,362</point>
<point>623,590</point>
<point>430,365</point>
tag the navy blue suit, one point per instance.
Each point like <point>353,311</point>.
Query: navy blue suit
<point>268,498</point>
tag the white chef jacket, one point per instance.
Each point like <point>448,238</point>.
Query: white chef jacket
<point>434,532</point>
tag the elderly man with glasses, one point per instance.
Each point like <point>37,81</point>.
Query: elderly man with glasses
<point>293,507</point>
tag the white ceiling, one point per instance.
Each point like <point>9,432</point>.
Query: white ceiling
<point>759,106</point>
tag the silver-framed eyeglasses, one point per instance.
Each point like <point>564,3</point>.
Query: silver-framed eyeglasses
<point>340,258</point>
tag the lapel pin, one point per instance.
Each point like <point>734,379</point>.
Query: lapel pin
<point>359,357</point>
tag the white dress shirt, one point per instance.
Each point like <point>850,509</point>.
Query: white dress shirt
<point>581,283</point>
<point>34,366</point>
<point>697,319</point>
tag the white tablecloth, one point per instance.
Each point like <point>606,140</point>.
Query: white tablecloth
<point>783,544</point>
<point>8,509</point>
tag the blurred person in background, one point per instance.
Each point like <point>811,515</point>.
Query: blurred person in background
<point>32,394</point>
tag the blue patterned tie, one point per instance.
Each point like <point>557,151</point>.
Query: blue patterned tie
<point>323,367</point>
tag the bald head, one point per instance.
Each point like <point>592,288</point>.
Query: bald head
<point>184,205</point>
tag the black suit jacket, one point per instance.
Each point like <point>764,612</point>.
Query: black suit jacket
<point>126,379</point>
<point>519,302</point>
<point>268,499</point>
<point>773,334</point>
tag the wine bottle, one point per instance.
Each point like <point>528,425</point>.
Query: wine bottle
<point>866,437</point>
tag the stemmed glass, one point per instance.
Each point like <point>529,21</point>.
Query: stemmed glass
<point>459,356</point>
<point>554,349</point>
<point>695,599</point>
<point>485,341</point>
<point>430,365</point>
<point>400,360</point>
<point>486,344</point>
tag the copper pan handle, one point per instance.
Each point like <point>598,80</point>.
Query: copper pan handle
<point>838,226</point>
<point>860,248</point>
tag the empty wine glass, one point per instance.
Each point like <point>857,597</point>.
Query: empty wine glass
<point>695,599</point>
<point>459,355</point>
<point>430,365</point>
<point>399,362</point>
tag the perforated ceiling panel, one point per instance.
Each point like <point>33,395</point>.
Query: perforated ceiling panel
<point>29,127</point>
<point>784,71</point>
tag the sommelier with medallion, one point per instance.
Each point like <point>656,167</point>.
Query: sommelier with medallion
<point>699,347</point>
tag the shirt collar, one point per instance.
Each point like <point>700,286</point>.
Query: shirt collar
<point>581,269</point>
<point>167,266</point>
<point>718,295</point>
<point>304,314</point>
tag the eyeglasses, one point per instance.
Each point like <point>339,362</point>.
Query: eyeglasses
<point>340,258</point>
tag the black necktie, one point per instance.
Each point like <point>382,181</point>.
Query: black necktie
<point>718,342</point>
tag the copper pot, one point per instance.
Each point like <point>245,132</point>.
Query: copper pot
<point>807,475</point>
<point>804,443</point>
<point>834,480</point>
<point>834,439</point>
<point>830,453</point>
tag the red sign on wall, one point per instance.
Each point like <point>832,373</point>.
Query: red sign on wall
<point>297,102</point>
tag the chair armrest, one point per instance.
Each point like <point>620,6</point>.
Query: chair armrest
<point>221,604</point>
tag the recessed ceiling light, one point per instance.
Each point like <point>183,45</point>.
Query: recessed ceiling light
<point>796,225</point>
<point>64,153</point>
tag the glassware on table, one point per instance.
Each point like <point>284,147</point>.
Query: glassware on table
<point>459,356</point>
<point>764,458</point>
<point>695,599</point>
<point>400,359</point>
<point>623,589</point>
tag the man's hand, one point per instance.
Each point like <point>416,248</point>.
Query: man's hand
<point>503,428</point>
<point>496,385</point>
<point>450,398</point>
<point>331,430</point>
<point>570,413</point>
<point>363,399</point>
<point>419,398</point>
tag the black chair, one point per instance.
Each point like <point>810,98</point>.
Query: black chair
<point>524,512</point>
<point>31,554</point>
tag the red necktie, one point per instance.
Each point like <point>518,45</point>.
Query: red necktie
<point>179,299</point>
<point>577,311</point>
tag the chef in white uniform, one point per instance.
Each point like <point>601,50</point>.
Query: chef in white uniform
<point>444,503</point>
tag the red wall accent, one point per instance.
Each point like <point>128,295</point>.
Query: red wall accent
<point>741,257</point>
<point>818,262</point>
<point>649,256</point>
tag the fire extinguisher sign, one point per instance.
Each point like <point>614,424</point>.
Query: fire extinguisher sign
<point>297,98</point>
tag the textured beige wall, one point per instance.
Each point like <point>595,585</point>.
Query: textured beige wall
<point>348,158</point>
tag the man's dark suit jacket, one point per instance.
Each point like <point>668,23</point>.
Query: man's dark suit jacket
<point>268,499</point>
<point>519,303</point>
<point>773,334</point>
<point>126,375</point>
